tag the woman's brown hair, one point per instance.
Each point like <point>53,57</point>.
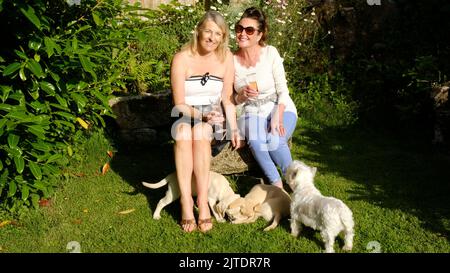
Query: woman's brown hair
<point>260,17</point>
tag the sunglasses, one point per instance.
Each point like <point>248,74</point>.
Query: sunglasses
<point>248,30</point>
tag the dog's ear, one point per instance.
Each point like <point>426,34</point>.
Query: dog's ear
<point>247,210</point>
<point>257,208</point>
<point>314,170</point>
<point>219,208</point>
<point>236,203</point>
<point>293,174</point>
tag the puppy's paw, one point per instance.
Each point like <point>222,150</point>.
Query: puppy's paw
<point>347,248</point>
<point>220,220</point>
<point>269,228</point>
<point>156,216</point>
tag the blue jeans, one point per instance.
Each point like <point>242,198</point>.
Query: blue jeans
<point>270,150</point>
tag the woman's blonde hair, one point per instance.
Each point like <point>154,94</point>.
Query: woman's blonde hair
<point>218,19</point>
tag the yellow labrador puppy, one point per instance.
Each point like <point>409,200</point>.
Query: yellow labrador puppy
<point>219,191</point>
<point>267,201</point>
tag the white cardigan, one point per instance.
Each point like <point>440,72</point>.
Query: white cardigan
<point>270,78</point>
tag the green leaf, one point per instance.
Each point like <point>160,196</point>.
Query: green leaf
<point>1,164</point>
<point>3,122</point>
<point>86,63</point>
<point>29,13</point>
<point>55,105</point>
<point>88,66</point>
<point>50,169</point>
<point>100,118</point>
<point>13,140</point>
<point>35,68</point>
<point>21,54</point>
<point>62,123</point>
<point>25,192</point>
<point>47,87</point>
<point>18,115</point>
<point>80,99</point>
<point>53,158</point>
<point>20,163</point>
<point>22,75</point>
<point>55,76</point>
<point>49,46</point>
<point>41,146</point>
<point>35,170</point>
<point>34,44</point>
<point>6,89</point>
<point>34,94</point>
<point>35,200</point>
<point>101,97</point>
<point>37,131</point>
<point>11,68</point>
<point>98,21</point>
<point>66,115</point>
<point>61,101</point>
<point>39,107</point>
<point>14,152</point>
<point>12,188</point>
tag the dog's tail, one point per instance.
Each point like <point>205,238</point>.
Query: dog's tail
<point>155,185</point>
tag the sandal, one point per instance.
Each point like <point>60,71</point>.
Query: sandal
<point>203,222</point>
<point>185,223</point>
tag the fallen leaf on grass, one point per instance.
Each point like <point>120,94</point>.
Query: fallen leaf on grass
<point>4,223</point>
<point>110,154</point>
<point>105,168</point>
<point>127,211</point>
<point>44,203</point>
<point>76,222</point>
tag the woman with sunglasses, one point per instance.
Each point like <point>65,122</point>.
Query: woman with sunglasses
<point>270,116</point>
<point>202,72</point>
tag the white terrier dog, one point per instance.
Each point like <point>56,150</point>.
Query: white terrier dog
<point>309,207</point>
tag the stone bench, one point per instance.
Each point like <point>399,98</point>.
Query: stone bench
<point>145,120</point>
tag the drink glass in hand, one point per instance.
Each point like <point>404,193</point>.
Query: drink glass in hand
<point>251,82</point>
<point>217,119</point>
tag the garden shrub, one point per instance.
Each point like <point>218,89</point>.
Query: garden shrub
<point>60,66</point>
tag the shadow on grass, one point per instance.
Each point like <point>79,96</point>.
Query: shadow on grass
<point>150,163</point>
<point>393,171</point>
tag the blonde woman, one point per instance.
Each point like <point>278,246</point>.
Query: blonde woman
<point>202,74</point>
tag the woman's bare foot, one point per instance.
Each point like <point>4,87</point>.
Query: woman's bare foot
<point>187,214</point>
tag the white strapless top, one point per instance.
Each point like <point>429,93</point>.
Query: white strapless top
<point>203,90</point>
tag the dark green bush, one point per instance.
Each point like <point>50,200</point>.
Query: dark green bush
<point>60,66</point>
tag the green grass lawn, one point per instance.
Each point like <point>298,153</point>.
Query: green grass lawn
<point>397,189</point>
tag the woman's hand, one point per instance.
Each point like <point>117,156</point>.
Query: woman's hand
<point>249,93</point>
<point>277,127</point>
<point>236,142</point>
<point>214,118</point>
<point>276,124</point>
